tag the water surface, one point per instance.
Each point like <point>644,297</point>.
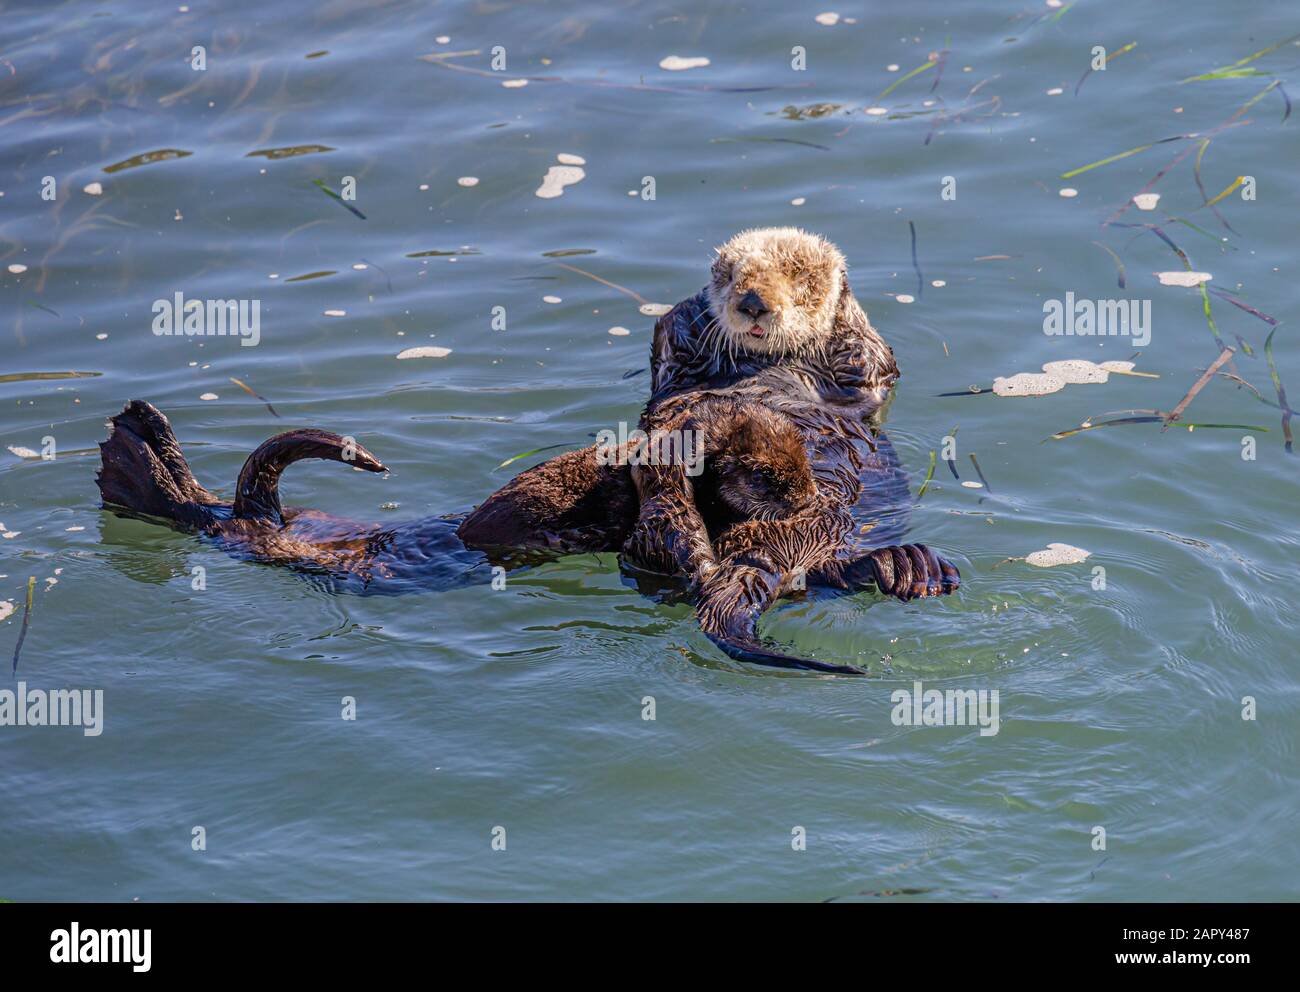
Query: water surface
<point>1120,707</point>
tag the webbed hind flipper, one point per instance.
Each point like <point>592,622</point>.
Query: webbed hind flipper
<point>258,494</point>
<point>143,469</point>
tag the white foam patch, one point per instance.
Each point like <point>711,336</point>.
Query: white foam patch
<point>567,158</point>
<point>6,608</point>
<point>677,63</point>
<point>428,351</point>
<point>655,309</point>
<point>1183,278</point>
<point>22,452</point>
<point>1057,554</point>
<point>93,189</point>
<point>514,84</point>
<point>209,397</point>
<point>17,268</point>
<point>1077,370</point>
<point>829,18</point>
<point>1117,366</point>
<point>1146,201</point>
<point>557,177</point>
<point>1028,384</point>
<point>468,180</point>
<point>619,332</point>
<point>1069,192</point>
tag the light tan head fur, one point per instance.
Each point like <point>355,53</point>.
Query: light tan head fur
<point>776,290</point>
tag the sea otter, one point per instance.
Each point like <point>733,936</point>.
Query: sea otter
<point>779,326</point>
<point>777,329</point>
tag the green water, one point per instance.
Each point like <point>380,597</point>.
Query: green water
<point>522,708</point>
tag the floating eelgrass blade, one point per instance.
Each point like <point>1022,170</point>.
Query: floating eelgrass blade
<point>27,619</point>
<point>34,376</point>
<point>928,476</point>
<point>1105,423</point>
<point>1236,70</point>
<point>1206,376</point>
<point>320,185</point>
<point>604,282</point>
<point>1281,391</point>
<point>1153,420</point>
<point>920,280</point>
<point>978,472</point>
<point>928,64</point>
<point>535,451</point>
<point>41,306</point>
<point>1115,158</point>
<point>952,465</point>
<point>1123,279</point>
<point>1235,183</point>
<point>782,141</point>
<point>1105,65</point>
<point>1271,321</point>
<point>249,390</point>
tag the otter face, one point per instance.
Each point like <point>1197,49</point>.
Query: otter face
<point>762,470</point>
<point>776,291</point>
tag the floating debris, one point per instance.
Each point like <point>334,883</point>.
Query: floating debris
<point>93,189</point>
<point>17,268</point>
<point>678,63</point>
<point>428,351</point>
<point>829,18</point>
<point>209,397</point>
<point>1077,370</point>
<point>22,452</point>
<point>1187,279</point>
<point>552,299</point>
<point>6,608</point>
<point>929,475</point>
<point>249,390</point>
<point>467,181</point>
<point>557,177</point>
<point>320,185</point>
<point>289,151</point>
<point>335,313</point>
<point>619,332</point>
<point>905,298</point>
<point>655,309</point>
<point>1028,384</point>
<point>27,619</point>
<point>1057,554</point>
<point>146,158</point>
<point>798,201</point>
<point>1069,192</point>
<point>1146,201</point>
<point>565,158</point>
<point>514,84</point>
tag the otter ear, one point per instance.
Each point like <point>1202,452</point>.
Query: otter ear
<point>720,270</point>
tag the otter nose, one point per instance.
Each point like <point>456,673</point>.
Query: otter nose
<point>752,305</point>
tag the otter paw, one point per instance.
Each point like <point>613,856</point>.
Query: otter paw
<point>910,571</point>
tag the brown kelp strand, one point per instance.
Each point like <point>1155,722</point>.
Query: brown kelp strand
<point>1281,392</point>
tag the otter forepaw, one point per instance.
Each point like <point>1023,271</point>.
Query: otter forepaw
<point>911,571</point>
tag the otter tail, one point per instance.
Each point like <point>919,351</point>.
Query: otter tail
<point>258,494</point>
<point>142,469</point>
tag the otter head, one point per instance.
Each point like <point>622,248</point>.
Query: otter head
<point>761,467</point>
<point>776,291</point>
